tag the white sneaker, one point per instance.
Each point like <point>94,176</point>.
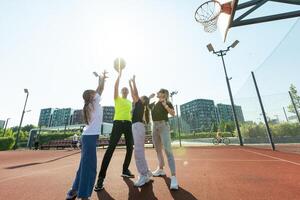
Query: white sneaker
<point>141,181</point>
<point>158,172</point>
<point>174,183</point>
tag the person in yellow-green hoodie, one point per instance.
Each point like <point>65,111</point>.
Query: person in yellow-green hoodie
<point>122,124</point>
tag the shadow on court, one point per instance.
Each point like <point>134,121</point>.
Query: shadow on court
<point>39,163</point>
<point>104,195</point>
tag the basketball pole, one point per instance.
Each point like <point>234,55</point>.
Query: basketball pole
<point>222,53</point>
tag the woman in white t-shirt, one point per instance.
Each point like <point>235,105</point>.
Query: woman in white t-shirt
<point>92,113</point>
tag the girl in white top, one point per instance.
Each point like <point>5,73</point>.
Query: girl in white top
<point>92,113</point>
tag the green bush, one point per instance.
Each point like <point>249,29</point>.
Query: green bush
<point>47,137</point>
<point>252,130</point>
<point>8,133</point>
<point>6,143</point>
<point>285,129</point>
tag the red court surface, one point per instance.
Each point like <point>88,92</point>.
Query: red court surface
<point>227,173</point>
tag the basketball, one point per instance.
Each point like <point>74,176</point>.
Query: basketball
<point>119,63</point>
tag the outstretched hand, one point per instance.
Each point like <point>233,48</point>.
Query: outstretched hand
<point>104,74</point>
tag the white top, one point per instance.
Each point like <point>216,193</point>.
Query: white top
<point>95,122</point>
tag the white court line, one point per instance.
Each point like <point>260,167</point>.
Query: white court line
<point>34,173</point>
<point>227,160</point>
<point>276,158</point>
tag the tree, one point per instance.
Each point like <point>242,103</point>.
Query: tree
<point>28,127</point>
<point>296,98</point>
<point>15,128</point>
<point>214,127</point>
<point>25,128</point>
<point>229,126</point>
<point>222,126</point>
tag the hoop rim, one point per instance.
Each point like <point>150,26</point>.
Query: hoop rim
<point>206,21</point>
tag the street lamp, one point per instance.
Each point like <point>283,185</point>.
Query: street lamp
<point>172,94</point>
<point>23,112</point>
<point>177,117</point>
<point>5,126</point>
<point>222,53</point>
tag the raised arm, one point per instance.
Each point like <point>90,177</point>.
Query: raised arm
<point>116,93</point>
<point>151,105</point>
<point>101,83</point>
<point>133,90</point>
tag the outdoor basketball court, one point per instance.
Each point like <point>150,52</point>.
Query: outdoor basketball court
<point>206,172</point>
<point>203,173</point>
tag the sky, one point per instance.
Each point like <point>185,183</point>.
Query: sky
<point>52,47</point>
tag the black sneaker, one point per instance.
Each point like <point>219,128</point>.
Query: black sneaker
<point>99,186</point>
<point>127,173</point>
<point>71,195</point>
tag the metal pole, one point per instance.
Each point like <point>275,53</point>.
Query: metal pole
<point>5,126</point>
<point>287,119</point>
<point>18,133</point>
<point>296,111</point>
<point>263,112</point>
<point>66,123</point>
<point>178,125</point>
<point>231,100</point>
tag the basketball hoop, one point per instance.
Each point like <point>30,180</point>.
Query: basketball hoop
<point>208,13</point>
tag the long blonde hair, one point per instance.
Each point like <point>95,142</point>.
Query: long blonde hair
<point>88,96</point>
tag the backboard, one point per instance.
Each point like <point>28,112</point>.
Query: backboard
<point>226,18</point>
<point>212,17</point>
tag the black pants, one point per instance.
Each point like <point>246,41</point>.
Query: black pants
<point>119,127</point>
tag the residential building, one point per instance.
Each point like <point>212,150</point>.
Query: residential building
<point>2,123</point>
<point>199,114</point>
<point>77,117</point>
<point>61,117</point>
<point>224,113</point>
<point>108,114</point>
<point>45,117</point>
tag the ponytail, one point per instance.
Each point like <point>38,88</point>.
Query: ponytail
<point>147,114</point>
<point>86,113</point>
<point>88,97</point>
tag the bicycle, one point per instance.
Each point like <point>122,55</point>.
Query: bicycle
<point>223,140</point>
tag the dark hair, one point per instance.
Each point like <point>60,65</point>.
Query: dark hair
<point>166,92</point>
<point>146,109</point>
<point>88,96</point>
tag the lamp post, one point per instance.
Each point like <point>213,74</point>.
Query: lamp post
<point>23,112</point>
<point>287,119</point>
<point>177,117</point>
<point>5,126</point>
<point>222,53</point>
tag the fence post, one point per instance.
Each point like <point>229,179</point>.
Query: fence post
<point>263,112</point>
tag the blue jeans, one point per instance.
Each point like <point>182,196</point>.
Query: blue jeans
<point>162,139</point>
<point>86,174</point>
